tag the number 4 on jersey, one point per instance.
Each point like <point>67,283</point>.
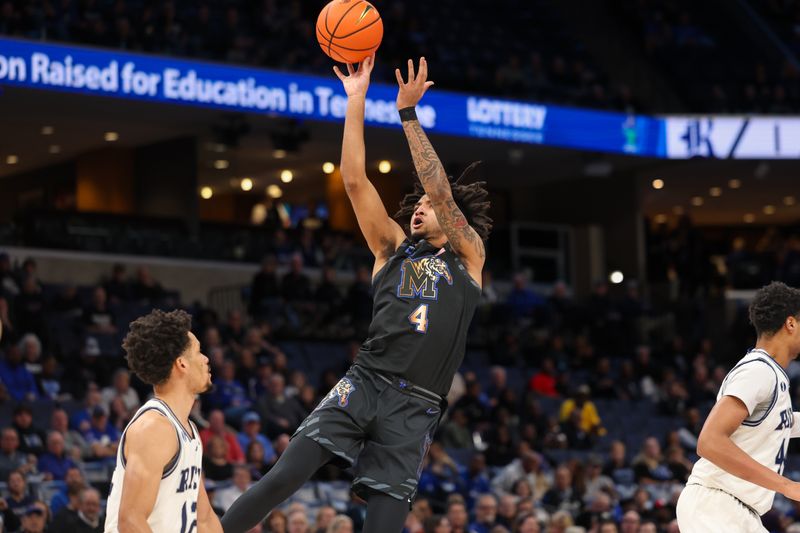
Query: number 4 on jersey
<point>420,318</point>
<point>780,459</point>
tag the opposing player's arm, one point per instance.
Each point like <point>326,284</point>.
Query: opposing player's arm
<point>207,519</point>
<point>382,233</point>
<point>715,445</point>
<point>150,443</point>
<point>462,237</point>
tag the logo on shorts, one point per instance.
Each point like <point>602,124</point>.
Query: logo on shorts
<point>342,390</point>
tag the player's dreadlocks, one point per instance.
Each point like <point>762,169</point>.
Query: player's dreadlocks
<point>472,199</point>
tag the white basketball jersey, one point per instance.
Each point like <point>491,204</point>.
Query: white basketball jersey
<point>763,386</point>
<point>175,509</point>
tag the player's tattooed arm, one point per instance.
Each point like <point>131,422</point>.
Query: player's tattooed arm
<point>462,237</point>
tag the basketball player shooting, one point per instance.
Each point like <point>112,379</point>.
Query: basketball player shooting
<point>744,440</point>
<point>380,418</point>
<point>157,484</point>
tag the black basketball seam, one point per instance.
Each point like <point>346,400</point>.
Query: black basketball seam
<point>333,33</point>
<point>343,59</point>
<point>351,49</point>
<point>359,29</point>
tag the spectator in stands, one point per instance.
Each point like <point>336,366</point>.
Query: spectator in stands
<point>630,522</point>
<point>31,349</point>
<point>88,519</point>
<point>32,439</point>
<point>276,522</point>
<point>618,468</point>
<point>507,511</point>
<point>341,524</point>
<point>101,435</point>
<point>527,523</point>
<point>216,466</point>
<point>528,467</point>
<point>65,501</point>
<point>474,403</point>
<point>456,432</point>
<point>544,381</point>
<point>145,288</point>
<point>18,498</point>
<point>251,431</point>
<point>596,481</point>
<point>690,432</point>
<point>16,377</point>
<point>649,466</point>
<point>34,519</point>
<point>476,478</point>
<point>224,498</point>
<point>233,331</point>
<point>325,516</point>
<point>218,428</point>
<point>228,395</point>
<point>457,516</point>
<point>485,514</point>
<point>679,466</point>
<point>117,287</point>
<point>11,458</point>
<point>80,419</point>
<point>562,496</point>
<point>49,381</point>
<point>281,413</point>
<point>297,522</point>
<point>76,446</point>
<point>440,475</point>
<point>589,420</point>
<point>597,511</point>
<point>121,388</point>
<point>265,289</point>
<point>256,460</point>
<point>29,306</point>
<point>358,303</point>
<point>55,463</point>
<point>295,285</point>
<point>522,301</point>
<point>97,318</point>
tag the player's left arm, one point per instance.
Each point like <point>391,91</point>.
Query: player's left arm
<point>207,519</point>
<point>462,237</point>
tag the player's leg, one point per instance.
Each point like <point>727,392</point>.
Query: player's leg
<point>385,514</point>
<point>302,458</point>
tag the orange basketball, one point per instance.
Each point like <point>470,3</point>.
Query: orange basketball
<point>349,30</point>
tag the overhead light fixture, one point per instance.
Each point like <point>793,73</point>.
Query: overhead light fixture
<point>660,219</point>
<point>384,167</point>
<point>678,210</point>
<point>54,149</point>
<point>48,130</point>
<point>206,193</point>
<point>12,159</point>
<point>246,184</point>
<point>274,191</point>
<point>658,184</point>
<point>287,176</point>
<point>749,218</point>
<point>279,154</point>
<point>769,210</point>
<point>111,136</point>
<point>716,192</point>
<point>221,164</point>
<point>734,183</point>
<point>789,200</point>
<point>616,277</point>
<point>328,167</point>
<point>697,201</point>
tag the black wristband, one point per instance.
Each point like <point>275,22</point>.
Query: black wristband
<point>408,113</point>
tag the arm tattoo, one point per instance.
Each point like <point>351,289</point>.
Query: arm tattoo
<point>434,180</point>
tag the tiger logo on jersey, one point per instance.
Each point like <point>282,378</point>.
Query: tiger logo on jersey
<point>419,277</point>
<point>342,390</point>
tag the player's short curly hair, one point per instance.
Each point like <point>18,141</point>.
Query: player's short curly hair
<point>154,342</point>
<point>772,305</point>
<point>472,199</point>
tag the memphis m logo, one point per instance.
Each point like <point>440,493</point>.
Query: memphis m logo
<point>419,277</point>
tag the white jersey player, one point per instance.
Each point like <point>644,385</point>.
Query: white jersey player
<point>157,483</point>
<point>743,442</point>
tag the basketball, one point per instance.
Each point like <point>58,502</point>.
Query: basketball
<point>349,30</point>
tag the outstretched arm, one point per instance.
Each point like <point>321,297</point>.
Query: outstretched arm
<point>382,233</point>
<point>462,237</point>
